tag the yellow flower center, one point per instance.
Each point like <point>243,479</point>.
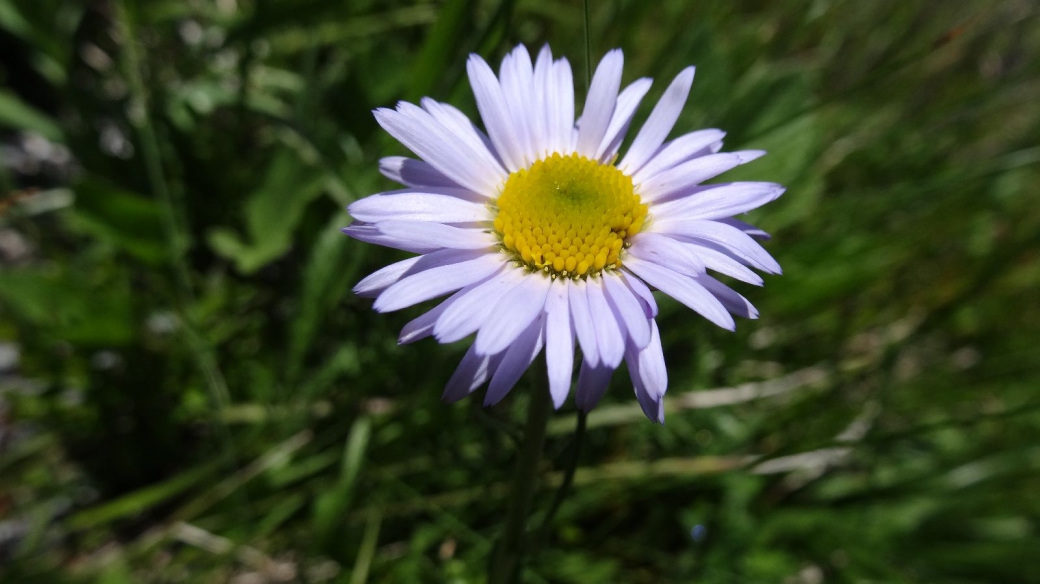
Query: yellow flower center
<point>568,215</point>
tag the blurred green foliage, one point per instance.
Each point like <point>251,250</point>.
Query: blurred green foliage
<point>190,393</point>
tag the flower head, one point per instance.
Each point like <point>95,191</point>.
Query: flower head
<point>544,239</point>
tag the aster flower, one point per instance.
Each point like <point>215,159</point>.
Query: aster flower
<point>544,238</point>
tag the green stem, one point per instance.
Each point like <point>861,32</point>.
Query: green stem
<point>509,553</point>
<point>568,474</point>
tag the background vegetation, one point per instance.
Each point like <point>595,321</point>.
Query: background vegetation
<point>190,393</point>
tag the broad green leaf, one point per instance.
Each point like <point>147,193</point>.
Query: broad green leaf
<point>272,213</point>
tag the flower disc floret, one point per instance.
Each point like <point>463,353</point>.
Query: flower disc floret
<point>568,215</point>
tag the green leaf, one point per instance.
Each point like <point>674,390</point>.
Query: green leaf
<point>439,50</point>
<point>126,220</point>
<point>272,213</point>
<point>331,506</point>
<point>333,266</point>
<point>72,306</point>
<point>16,114</point>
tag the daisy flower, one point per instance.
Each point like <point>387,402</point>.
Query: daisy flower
<point>543,237</point>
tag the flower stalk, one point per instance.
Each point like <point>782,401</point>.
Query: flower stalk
<point>508,557</point>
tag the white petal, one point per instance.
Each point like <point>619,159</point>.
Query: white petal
<point>447,151</point>
<point>729,298</point>
<point>581,316</point>
<point>592,384</point>
<point>471,373</point>
<point>609,342</point>
<point>663,250</point>
<point>471,311</point>
<point>627,309</point>
<point>646,298</point>
<point>374,284</point>
<point>369,234</point>
<point>516,359</point>
<point>438,281</point>
<point>685,179</point>
<point>659,124</point>
<point>433,204</point>
<point>684,289</point>
<point>445,236</point>
<point>413,173</point>
<point>513,312</point>
<point>719,201</point>
<point>559,341</point>
<point>678,151</point>
<point>599,105</point>
<point>562,97</point>
<point>731,238</point>
<point>626,106</point>
<point>494,111</point>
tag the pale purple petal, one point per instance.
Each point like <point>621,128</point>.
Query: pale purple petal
<point>471,373</point>
<point>437,281</point>
<point>369,234</point>
<point>649,376</point>
<point>665,251</point>
<point>627,309</point>
<point>686,178</point>
<point>456,121</point>
<point>731,238</point>
<point>626,106</point>
<point>432,204</point>
<point>679,150</point>
<point>599,105</point>
<point>729,298</point>
<point>413,173</point>
<point>471,311</point>
<point>517,79</point>
<point>559,341</point>
<point>452,155</point>
<point>721,262</point>
<point>652,370</point>
<point>653,410</point>
<point>422,327</point>
<point>382,279</point>
<point>494,111</point>
<point>659,124</point>
<point>581,316</point>
<point>423,233</point>
<point>516,359</point>
<point>592,384</point>
<point>374,284</point>
<point>719,201</point>
<point>541,109</point>
<point>646,298</point>
<point>610,344</point>
<point>562,98</point>
<point>684,289</point>
<point>746,228</point>
<point>515,310</point>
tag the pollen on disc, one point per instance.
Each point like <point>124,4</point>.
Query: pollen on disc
<point>568,215</point>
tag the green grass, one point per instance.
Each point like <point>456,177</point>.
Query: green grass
<point>198,397</point>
